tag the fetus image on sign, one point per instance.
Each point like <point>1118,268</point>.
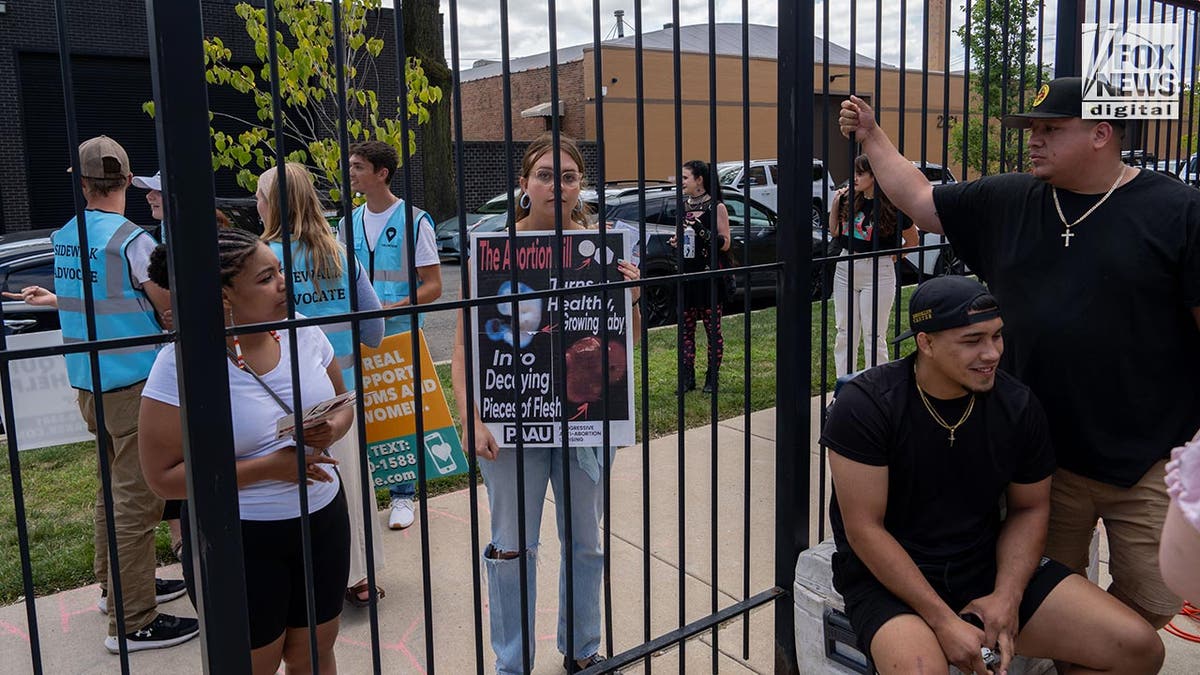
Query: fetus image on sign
<point>585,368</point>
<point>529,317</point>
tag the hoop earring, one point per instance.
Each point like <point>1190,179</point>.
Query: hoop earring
<point>579,204</point>
<point>237,344</point>
<point>525,201</point>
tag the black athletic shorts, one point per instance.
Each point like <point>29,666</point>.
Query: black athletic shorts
<point>274,559</point>
<point>869,604</point>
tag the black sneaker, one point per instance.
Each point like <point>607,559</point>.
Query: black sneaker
<point>165,590</point>
<point>164,631</point>
<point>572,666</point>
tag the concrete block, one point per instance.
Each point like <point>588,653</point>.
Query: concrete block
<point>815,598</point>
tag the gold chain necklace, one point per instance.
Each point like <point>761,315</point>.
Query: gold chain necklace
<point>938,418</point>
<point>1068,233</point>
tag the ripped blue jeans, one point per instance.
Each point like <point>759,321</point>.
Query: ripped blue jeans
<point>543,466</point>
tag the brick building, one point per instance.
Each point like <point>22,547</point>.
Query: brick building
<point>111,72</point>
<point>481,90</point>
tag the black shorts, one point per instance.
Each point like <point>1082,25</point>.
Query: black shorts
<point>869,604</point>
<point>274,555</point>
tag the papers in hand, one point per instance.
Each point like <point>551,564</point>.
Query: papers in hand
<point>286,425</point>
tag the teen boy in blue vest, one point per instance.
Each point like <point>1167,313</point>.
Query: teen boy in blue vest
<point>126,304</point>
<point>380,242</point>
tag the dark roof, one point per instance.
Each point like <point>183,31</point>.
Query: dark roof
<point>764,43</point>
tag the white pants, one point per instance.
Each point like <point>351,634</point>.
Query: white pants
<point>350,458</point>
<point>872,306</point>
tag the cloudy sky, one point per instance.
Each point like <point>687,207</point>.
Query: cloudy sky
<point>479,24</point>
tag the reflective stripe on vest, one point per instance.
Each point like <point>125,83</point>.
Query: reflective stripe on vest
<point>333,297</point>
<point>120,309</point>
<point>388,262</point>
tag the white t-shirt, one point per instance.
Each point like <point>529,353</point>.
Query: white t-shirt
<point>373,223</point>
<point>254,415</point>
<point>137,253</point>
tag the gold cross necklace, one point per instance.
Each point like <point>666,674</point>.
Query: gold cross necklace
<point>1068,233</point>
<point>938,418</point>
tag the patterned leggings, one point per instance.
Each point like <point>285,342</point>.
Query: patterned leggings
<point>712,327</point>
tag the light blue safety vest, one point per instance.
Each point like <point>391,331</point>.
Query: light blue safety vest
<point>333,297</point>
<point>388,262</point>
<point>121,310</point>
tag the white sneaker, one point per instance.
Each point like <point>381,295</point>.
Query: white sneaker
<point>402,513</point>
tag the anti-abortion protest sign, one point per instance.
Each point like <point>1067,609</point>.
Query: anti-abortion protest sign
<point>390,408</point>
<point>43,400</point>
<point>552,366</point>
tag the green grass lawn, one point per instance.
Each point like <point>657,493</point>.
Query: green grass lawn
<point>60,483</point>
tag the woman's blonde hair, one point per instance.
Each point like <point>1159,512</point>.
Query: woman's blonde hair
<point>540,146</point>
<point>308,224</point>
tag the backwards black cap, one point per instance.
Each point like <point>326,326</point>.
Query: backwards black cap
<point>945,302</point>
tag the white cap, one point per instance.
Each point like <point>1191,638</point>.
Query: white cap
<point>149,182</point>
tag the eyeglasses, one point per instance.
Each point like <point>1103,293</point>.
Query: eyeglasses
<point>569,178</point>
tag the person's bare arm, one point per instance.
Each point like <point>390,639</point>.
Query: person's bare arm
<point>723,225</point>
<point>835,213</point>
<point>1178,552</point>
<point>35,296</point>
<point>904,183</point>
<point>862,493</point>
<point>1018,552</point>
<point>430,288</point>
<point>160,298</point>
<point>160,449</point>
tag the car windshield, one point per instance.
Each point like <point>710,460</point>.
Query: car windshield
<point>729,174</point>
<point>497,204</point>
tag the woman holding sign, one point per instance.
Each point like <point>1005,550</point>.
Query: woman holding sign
<point>321,287</point>
<point>260,392</point>
<point>537,210</point>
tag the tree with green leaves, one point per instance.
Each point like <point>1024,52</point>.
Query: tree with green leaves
<point>1002,42</point>
<point>308,91</point>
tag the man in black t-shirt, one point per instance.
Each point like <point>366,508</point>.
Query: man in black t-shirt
<point>923,449</point>
<point>1097,265</point>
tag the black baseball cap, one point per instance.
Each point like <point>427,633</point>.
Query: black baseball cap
<point>945,302</point>
<point>1060,98</point>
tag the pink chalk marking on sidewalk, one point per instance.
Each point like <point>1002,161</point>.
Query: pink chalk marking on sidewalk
<point>14,630</point>
<point>404,647</point>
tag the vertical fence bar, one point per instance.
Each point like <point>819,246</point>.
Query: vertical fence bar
<point>467,415</point>
<point>510,176</point>
<point>711,334</point>
<point>746,307</point>
<point>640,115</point>
<point>602,220</point>
<point>116,598</point>
<point>410,243</point>
<point>1068,22</point>
<point>677,66</point>
<point>792,478</point>
<point>181,129</point>
<point>827,264</point>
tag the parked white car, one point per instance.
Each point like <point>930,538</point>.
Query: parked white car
<point>762,183</point>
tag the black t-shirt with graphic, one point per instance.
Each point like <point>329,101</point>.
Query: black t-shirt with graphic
<point>859,234</point>
<point>1102,331</point>
<point>943,501</point>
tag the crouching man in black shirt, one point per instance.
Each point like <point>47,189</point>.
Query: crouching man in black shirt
<point>923,450</point>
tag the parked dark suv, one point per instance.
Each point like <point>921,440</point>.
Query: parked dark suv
<point>658,257</point>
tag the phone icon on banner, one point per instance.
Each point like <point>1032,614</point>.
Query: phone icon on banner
<point>441,452</point>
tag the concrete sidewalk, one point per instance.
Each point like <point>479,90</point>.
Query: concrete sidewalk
<point>72,629</point>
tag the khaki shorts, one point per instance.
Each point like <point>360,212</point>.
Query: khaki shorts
<point>1133,518</point>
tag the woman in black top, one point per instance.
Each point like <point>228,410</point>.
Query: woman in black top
<point>866,294</point>
<point>706,214</point>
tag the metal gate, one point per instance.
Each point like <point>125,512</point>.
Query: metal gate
<point>712,82</point>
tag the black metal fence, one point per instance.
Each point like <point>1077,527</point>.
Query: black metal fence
<point>948,110</point>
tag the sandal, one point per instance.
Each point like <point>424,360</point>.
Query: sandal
<point>352,594</point>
